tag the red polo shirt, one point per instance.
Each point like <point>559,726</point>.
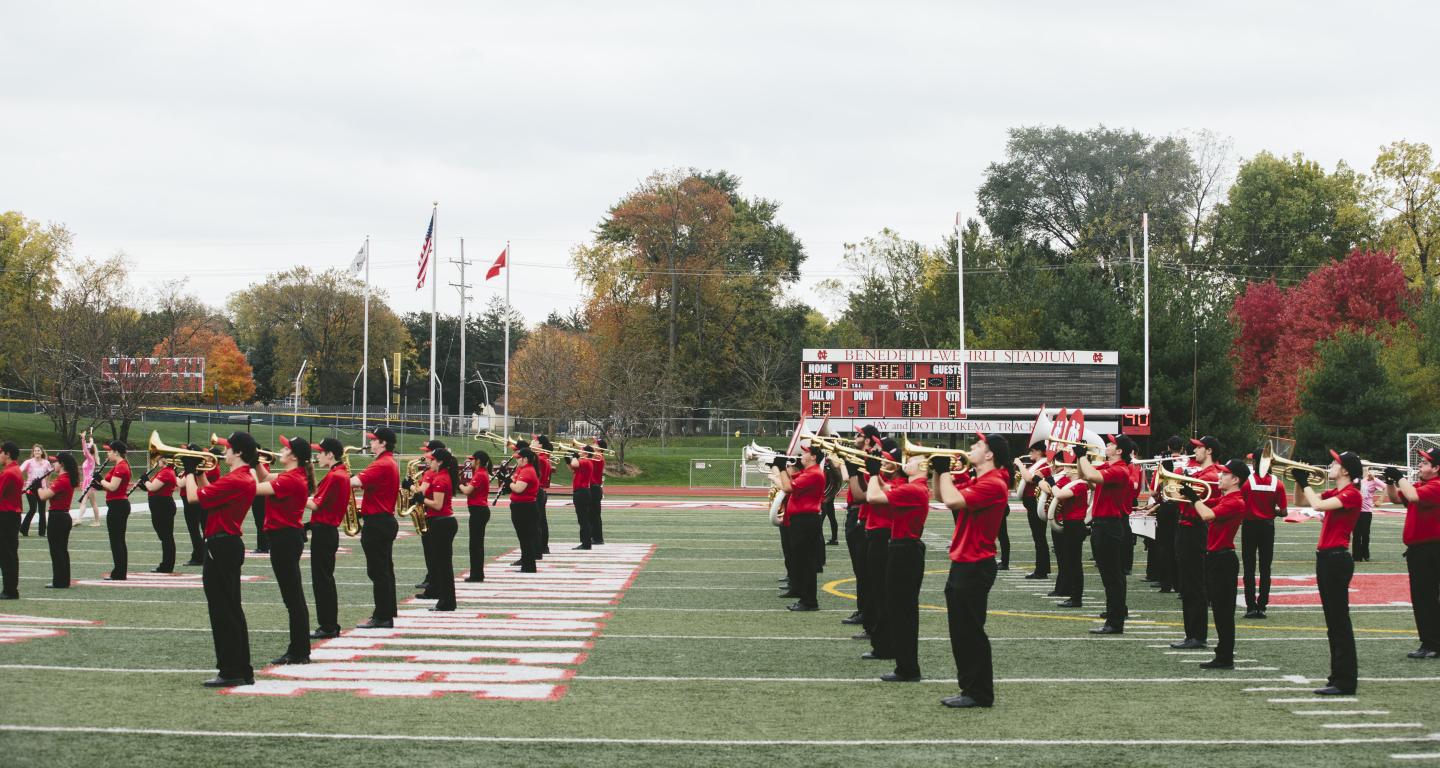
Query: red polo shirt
<point>1265,498</point>
<point>531,479</point>
<point>1113,497</point>
<point>227,501</point>
<point>1229,511</point>
<point>440,484</point>
<point>479,495</point>
<point>1422,517</point>
<point>286,509</point>
<point>64,491</point>
<point>546,470</point>
<point>581,475</point>
<point>1336,527</point>
<point>332,497</point>
<point>122,471</point>
<point>807,490</point>
<point>987,499</point>
<point>12,485</point>
<point>1211,474</point>
<point>881,516</point>
<point>597,472</point>
<point>166,477</point>
<point>909,506</point>
<point>1074,507</point>
<point>381,481</point>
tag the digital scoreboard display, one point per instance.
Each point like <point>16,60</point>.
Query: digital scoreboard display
<point>930,390</point>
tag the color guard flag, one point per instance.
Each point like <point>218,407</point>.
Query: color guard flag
<point>425,251</point>
<point>498,265</point>
<point>358,263</point>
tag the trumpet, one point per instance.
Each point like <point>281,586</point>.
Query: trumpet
<point>1171,482</point>
<point>1269,460</point>
<point>845,450</point>
<point>959,458</point>
<point>351,524</point>
<point>1378,467</point>
<point>160,453</point>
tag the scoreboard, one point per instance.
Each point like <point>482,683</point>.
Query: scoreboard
<point>931,390</point>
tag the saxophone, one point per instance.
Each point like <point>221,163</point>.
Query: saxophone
<point>351,525</point>
<point>415,470</point>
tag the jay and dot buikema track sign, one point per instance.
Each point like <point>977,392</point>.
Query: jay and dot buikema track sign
<point>949,390</point>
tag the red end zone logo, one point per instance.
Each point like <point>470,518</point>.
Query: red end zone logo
<point>18,629</point>
<point>1366,589</point>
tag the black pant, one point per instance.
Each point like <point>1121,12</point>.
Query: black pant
<point>1361,542</point>
<point>580,497</point>
<point>542,498</point>
<point>324,542</point>
<point>801,536</point>
<point>286,545</point>
<point>1333,570</point>
<point>1037,535</point>
<point>597,526</point>
<point>440,560</point>
<point>224,554</point>
<point>1257,538</point>
<point>787,555</point>
<point>1162,550</point>
<point>34,507</point>
<point>828,510</point>
<point>904,571</point>
<point>522,516</point>
<point>819,537</point>
<point>257,511</point>
<point>855,545</point>
<point>479,518</point>
<point>195,524</point>
<point>1423,562</point>
<point>10,552</point>
<point>162,519</point>
<point>1108,538</point>
<point>1220,572</point>
<point>117,517</point>
<point>59,539</point>
<point>1004,539</point>
<point>377,538</point>
<point>1070,551</point>
<point>1190,550</point>
<point>877,549</point>
<point>967,592</point>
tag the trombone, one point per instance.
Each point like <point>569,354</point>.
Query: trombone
<point>160,453</point>
<point>1269,460</point>
<point>509,441</point>
<point>591,446</point>
<point>270,457</point>
<point>845,450</point>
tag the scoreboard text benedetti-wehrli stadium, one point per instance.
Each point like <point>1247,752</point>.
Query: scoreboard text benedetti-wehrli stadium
<point>936,390</point>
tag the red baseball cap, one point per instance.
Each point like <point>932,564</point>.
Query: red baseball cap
<point>1334,455</point>
<point>980,436</point>
<point>371,436</point>
<point>284,441</point>
<point>1196,443</point>
<point>223,442</point>
<point>1432,455</point>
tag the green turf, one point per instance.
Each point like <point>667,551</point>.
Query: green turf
<point>704,607</point>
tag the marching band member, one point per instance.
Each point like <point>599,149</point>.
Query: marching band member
<point>1190,548</point>
<point>909,505</point>
<point>12,484</point>
<point>327,513</point>
<point>441,527</point>
<point>1072,502</point>
<point>116,486</point>
<point>877,548</point>
<point>477,503</point>
<point>524,487</point>
<point>544,469</point>
<point>1334,565</point>
<point>381,483</point>
<point>1223,518</point>
<point>288,492</point>
<point>1266,500</point>
<point>1030,480</point>
<point>60,493</point>
<point>855,532</point>
<point>160,495</point>
<point>195,514</point>
<point>597,490</point>
<point>257,512</point>
<point>1109,524</point>
<point>1163,568</point>
<point>834,481</point>
<point>418,494</point>
<point>227,500</point>
<point>980,507</point>
<point>804,485</point>
<point>580,497</point>
<point>1421,536</point>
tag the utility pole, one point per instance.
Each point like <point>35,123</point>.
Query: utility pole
<point>464,289</point>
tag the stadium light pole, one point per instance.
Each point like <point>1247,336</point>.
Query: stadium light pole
<point>960,284</point>
<point>1145,260</point>
<point>296,414</point>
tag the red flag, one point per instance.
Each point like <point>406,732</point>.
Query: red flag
<point>498,265</point>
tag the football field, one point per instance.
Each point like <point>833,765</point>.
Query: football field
<point>669,646</point>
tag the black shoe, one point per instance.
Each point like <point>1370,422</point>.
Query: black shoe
<point>1188,644</point>
<point>1037,575</point>
<point>1260,614</point>
<point>371,623</point>
<point>546,550</point>
<point>962,702</point>
<point>581,546</point>
<point>1071,603</point>
<point>288,659</point>
<point>193,562</point>
<point>853,619</point>
<point>861,636</point>
<point>599,542</point>
<point>789,593</point>
<point>24,533</point>
<point>894,677</point>
<point>112,577</point>
<point>870,656</point>
<point>325,634</point>
<point>1331,690</point>
<point>227,682</point>
<point>1217,664</point>
<point>9,596</point>
<point>474,579</point>
<point>163,570</point>
<point>1003,567</point>
<point>1107,630</point>
<point>1166,589</point>
<point>57,586</point>
<point>423,585</point>
<point>1252,614</point>
<point>782,579</point>
<point>1053,593</point>
<point>423,596</point>
<point>1422,653</point>
<point>801,607</point>
<point>442,610</point>
<point>517,562</point>
<point>832,543</point>
<point>264,551</point>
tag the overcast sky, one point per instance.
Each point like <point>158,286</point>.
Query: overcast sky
<point>226,141</point>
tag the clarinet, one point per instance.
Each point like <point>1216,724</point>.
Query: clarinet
<point>96,476</point>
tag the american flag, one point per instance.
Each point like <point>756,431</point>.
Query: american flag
<point>425,251</point>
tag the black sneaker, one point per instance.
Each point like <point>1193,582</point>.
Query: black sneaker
<point>1217,664</point>
<point>853,619</point>
<point>1422,653</point>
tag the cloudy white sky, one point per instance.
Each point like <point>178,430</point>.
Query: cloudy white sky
<point>225,141</point>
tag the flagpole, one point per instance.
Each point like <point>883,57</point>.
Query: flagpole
<point>460,398</point>
<point>509,257</point>
<point>434,283</point>
<point>365,364</point>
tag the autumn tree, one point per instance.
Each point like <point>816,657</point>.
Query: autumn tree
<point>553,375</point>
<point>30,255</point>
<point>1405,186</point>
<point>228,376</point>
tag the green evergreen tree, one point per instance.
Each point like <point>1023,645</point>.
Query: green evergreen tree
<point>1350,403</point>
